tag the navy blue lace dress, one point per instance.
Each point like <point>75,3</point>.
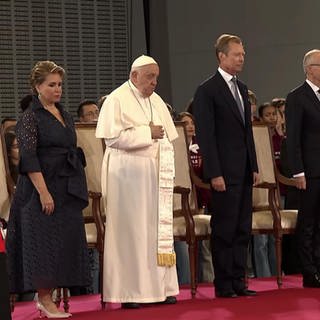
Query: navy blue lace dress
<point>48,251</point>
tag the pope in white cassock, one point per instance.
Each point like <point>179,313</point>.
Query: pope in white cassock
<point>137,188</point>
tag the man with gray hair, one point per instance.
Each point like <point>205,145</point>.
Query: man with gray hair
<point>224,133</point>
<point>303,137</point>
<point>137,188</point>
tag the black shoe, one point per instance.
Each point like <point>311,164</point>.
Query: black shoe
<point>311,280</point>
<point>246,293</point>
<point>169,300</point>
<point>226,294</point>
<point>130,305</point>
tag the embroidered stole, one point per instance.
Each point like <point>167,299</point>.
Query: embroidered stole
<point>166,254</point>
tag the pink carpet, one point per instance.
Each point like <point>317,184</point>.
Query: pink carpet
<point>289,303</point>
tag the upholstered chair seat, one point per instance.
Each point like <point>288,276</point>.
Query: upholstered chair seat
<point>201,225</point>
<point>264,219</point>
<point>91,233</point>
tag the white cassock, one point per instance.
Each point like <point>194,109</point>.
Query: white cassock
<point>130,188</point>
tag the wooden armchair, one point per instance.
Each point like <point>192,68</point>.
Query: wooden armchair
<point>93,149</point>
<point>268,217</point>
<point>189,224</point>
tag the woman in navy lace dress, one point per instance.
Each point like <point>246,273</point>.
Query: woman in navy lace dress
<point>46,241</point>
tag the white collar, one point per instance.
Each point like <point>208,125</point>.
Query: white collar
<point>225,75</point>
<point>313,86</point>
<point>135,89</point>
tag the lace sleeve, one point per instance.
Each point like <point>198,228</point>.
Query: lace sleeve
<point>26,131</point>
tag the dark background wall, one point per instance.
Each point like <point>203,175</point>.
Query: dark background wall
<point>276,34</point>
<point>89,38</point>
<point>96,41</point>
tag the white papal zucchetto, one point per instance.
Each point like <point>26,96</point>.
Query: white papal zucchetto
<point>142,61</point>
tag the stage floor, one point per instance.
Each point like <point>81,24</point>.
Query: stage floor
<point>288,303</point>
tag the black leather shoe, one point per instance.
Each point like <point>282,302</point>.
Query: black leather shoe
<point>246,293</point>
<point>130,305</point>
<point>311,280</point>
<point>226,294</point>
<point>169,300</point>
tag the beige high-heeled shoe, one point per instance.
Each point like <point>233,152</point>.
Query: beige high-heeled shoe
<point>51,315</point>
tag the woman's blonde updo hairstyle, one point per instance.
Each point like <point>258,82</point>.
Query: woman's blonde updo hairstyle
<point>41,70</point>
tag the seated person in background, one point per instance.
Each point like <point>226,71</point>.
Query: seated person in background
<point>203,195</point>
<point>269,115</point>
<point>280,104</point>
<point>203,200</point>
<point>88,111</point>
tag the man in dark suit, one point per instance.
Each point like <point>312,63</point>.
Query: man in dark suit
<point>303,148</point>
<point>224,132</point>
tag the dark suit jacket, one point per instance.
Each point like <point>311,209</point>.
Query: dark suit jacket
<point>225,141</point>
<point>303,131</point>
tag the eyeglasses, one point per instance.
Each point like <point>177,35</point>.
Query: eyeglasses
<point>315,64</point>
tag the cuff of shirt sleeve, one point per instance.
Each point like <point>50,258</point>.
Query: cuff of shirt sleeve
<point>301,174</point>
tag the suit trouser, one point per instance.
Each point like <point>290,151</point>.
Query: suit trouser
<point>5,312</point>
<point>231,225</point>
<point>308,228</point>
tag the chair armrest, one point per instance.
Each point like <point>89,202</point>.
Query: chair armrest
<point>88,219</point>
<point>266,185</point>
<point>98,219</point>
<point>284,180</point>
<point>181,190</point>
<point>186,212</point>
<point>273,203</point>
<point>198,182</point>
<point>275,209</point>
